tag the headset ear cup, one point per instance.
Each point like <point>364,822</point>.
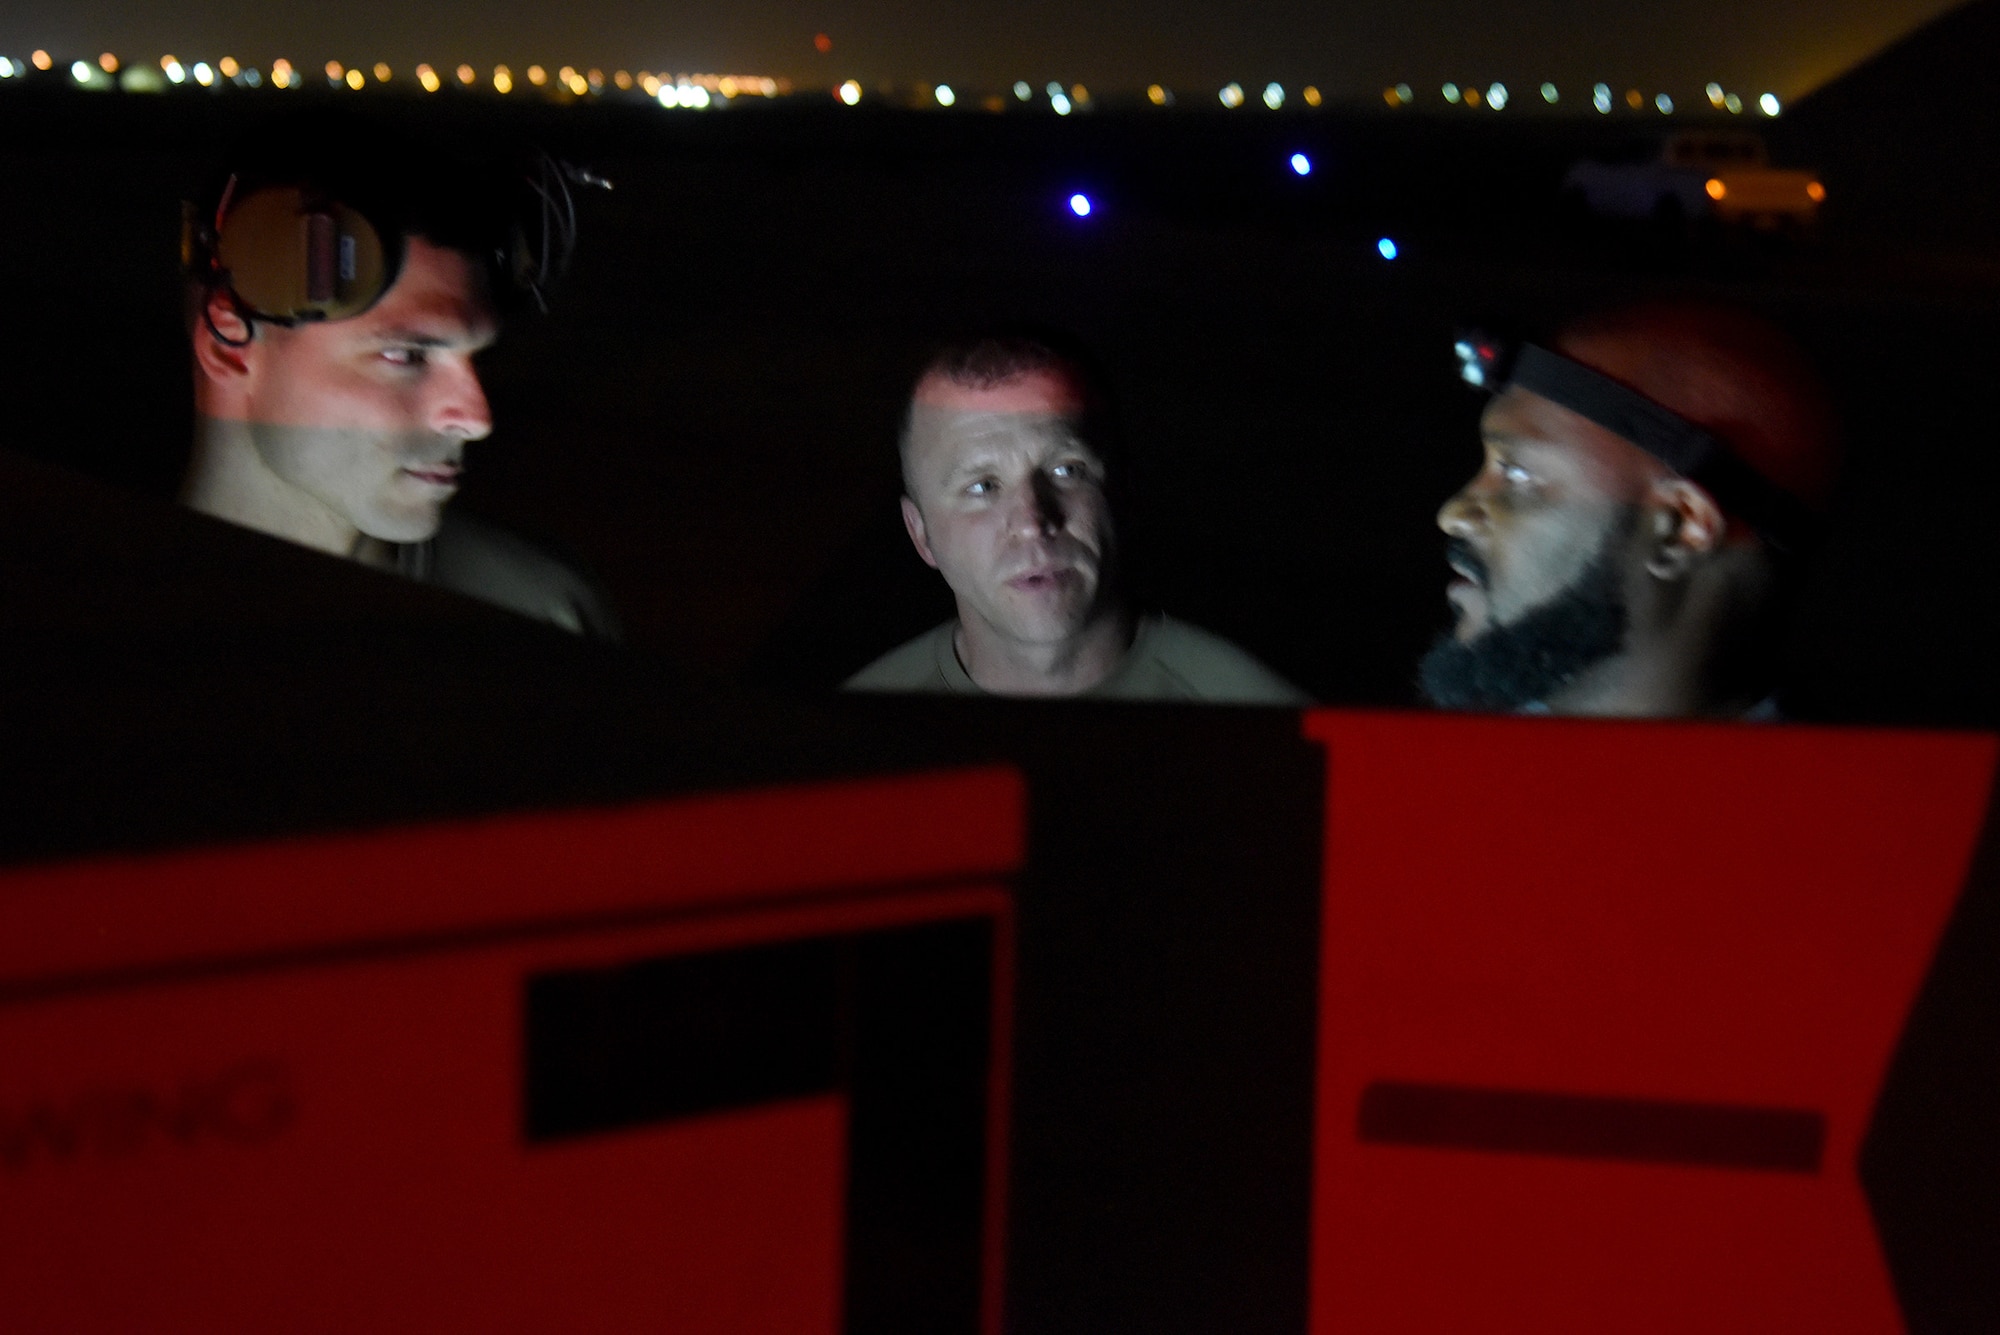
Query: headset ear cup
<point>289,256</point>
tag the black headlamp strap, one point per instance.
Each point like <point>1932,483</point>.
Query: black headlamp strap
<point>1676,442</point>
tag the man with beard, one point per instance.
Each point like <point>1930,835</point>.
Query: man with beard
<point>342,287</point>
<point>1650,484</point>
<point>1007,495</point>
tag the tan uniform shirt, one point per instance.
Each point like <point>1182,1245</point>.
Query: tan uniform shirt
<point>471,558</point>
<point>1168,660</point>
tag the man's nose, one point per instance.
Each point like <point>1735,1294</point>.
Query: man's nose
<point>458,404</point>
<point>1037,509</point>
<point>1463,515</point>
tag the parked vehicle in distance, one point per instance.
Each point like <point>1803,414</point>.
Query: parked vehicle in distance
<point>1724,175</point>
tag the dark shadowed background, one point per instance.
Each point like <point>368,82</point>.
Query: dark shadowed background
<point>706,421</point>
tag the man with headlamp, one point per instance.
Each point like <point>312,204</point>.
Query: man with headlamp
<point>1650,485</point>
<point>343,287</point>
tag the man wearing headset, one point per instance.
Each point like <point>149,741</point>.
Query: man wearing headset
<point>1650,486</point>
<point>343,288</point>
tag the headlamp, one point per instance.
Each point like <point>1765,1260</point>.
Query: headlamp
<point>1689,450</point>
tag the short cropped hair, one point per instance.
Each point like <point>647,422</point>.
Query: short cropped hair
<point>988,361</point>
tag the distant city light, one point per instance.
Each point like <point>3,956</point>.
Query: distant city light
<point>623,78</point>
<point>80,71</point>
<point>1054,90</point>
<point>1404,94</point>
<point>6,68</point>
<point>228,67</point>
<point>1734,104</point>
<point>1060,103</point>
<point>1302,164</point>
<point>1550,95</point>
<point>537,75</point>
<point>281,73</point>
<point>108,63</point>
<point>1768,104</point>
<point>466,75</point>
<point>1714,91</point>
<point>1310,95</point>
<point>382,72</point>
<point>1634,98</point>
<point>1600,97</point>
<point>503,79</point>
<point>822,43</point>
<point>203,75</point>
<point>1154,94</point>
<point>596,79</point>
<point>1816,192</point>
<point>945,97</point>
<point>1079,94</point>
<point>1496,97</point>
<point>1472,97</point>
<point>1387,249</point>
<point>1079,204</point>
<point>428,78</point>
<point>334,71</point>
<point>40,60</point>
<point>172,69</point>
<point>1274,96</point>
<point>1022,92</point>
<point>850,93</point>
<point>1232,95</point>
<point>648,83</point>
<point>355,78</point>
<point>1451,92</point>
<point>1715,187</point>
<point>696,97</point>
<point>1665,104</point>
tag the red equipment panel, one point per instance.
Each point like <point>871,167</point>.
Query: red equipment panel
<point>593,1071</point>
<point>1605,1008</point>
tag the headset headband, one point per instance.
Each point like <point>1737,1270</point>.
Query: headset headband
<point>1690,450</point>
<point>298,249</point>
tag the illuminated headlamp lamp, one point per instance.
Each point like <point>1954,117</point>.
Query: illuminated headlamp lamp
<point>1479,361</point>
<point>1690,450</point>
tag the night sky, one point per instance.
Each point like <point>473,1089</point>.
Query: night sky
<point>1356,47</point>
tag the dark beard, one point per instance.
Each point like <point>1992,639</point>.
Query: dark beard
<point>1530,659</point>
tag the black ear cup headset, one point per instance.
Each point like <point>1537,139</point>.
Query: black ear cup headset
<point>292,252</point>
<point>1780,518</point>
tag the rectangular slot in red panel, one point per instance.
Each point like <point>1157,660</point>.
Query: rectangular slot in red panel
<point>1604,1011</point>
<point>705,1114</point>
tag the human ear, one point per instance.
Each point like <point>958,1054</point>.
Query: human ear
<point>1686,523</point>
<point>224,340</point>
<point>913,524</point>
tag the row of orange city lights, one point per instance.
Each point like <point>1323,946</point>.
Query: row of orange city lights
<point>697,90</point>
<point>692,90</point>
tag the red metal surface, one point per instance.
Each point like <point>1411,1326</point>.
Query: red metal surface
<point>304,1112</point>
<point>1683,931</point>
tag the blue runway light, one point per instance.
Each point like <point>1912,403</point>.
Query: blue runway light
<point>1302,164</point>
<point>1079,204</point>
<point>1387,248</point>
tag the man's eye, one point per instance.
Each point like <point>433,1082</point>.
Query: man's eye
<point>405,356</point>
<point>1516,475</point>
<point>985,486</point>
<point>1068,472</point>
